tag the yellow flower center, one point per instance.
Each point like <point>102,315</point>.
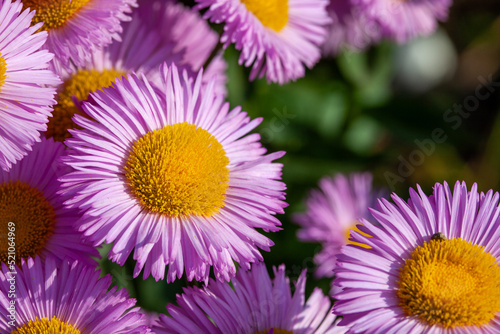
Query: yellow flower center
<point>354,227</point>
<point>79,85</point>
<point>178,170</point>
<point>271,13</point>
<point>450,283</point>
<point>33,216</point>
<point>3,71</point>
<point>275,331</point>
<point>46,326</point>
<point>53,13</point>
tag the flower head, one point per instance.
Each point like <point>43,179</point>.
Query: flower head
<point>255,304</point>
<point>77,28</point>
<point>432,266</point>
<point>25,101</point>
<point>278,38</point>
<point>404,20</point>
<point>31,208</point>
<point>350,28</point>
<point>64,298</point>
<point>332,213</point>
<point>174,176</point>
<point>163,31</point>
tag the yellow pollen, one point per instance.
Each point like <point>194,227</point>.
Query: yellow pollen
<point>46,326</point>
<point>53,13</point>
<point>3,71</point>
<point>271,13</point>
<point>79,85</point>
<point>178,170</point>
<point>275,331</point>
<point>33,216</point>
<point>354,227</point>
<point>450,283</point>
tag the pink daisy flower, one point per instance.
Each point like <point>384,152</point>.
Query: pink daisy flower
<point>23,69</point>
<point>77,28</point>
<point>46,297</point>
<point>164,32</point>
<point>405,20</point>
<point>173,175</point>
<point>432,266</point>
<point>31,207</point>
<point>254,304</point>
<point>333,211</point>
<point>277,38</point>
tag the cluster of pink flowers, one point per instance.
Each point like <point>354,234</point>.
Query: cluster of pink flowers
<point>114,129</point>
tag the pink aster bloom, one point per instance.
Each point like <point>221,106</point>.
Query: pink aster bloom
<point>64,298</point>
<point>277,38</point>
<point>25,102</point>
<point>78,28</point>
<point>405,20</point>
<point>432,267</point>
<point>254,304</point>
<point>31,207</point>
<point>173,175</point>
<point>332,212</point>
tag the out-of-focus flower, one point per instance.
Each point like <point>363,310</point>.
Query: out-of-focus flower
<point>159,32</point>
<point>351,29</point>
<point>405,20</point>
<point>333,211</point>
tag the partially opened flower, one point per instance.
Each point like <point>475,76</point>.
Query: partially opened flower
<point>254,304</point>
<point>77,28</point>
<point>30,205</point>
<point>432,267</point>
<point>174,176</point>
<point>405,20</point>
<point>278,38</point>
<point>25,102</point>
<point>159,32</point>
<point>67,298</point>
<point>333,211</point>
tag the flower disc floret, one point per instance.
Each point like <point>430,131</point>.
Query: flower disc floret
<point>177,170</point>
<point>32,214</point>
<point>450,283</point>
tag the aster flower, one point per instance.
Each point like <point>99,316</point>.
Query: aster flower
<point>277,38</point>
<point>432,266</point>
<point>174,176</point>
<point>255,304</point>
<point>77,28</point>
<point>332,213</point>
<point>350,28</point>
<point>25,104</point>
<point>163,32</point>
<point>65,298</point>
<point>405,20</point>
<point>29,200</point>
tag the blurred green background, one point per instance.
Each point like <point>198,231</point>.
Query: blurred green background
<point>369,111</point>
